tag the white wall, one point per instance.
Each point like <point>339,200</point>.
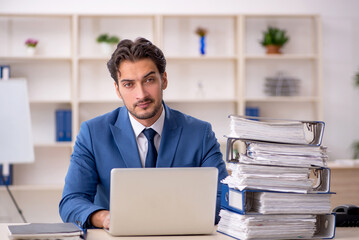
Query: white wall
<point>340,54</point>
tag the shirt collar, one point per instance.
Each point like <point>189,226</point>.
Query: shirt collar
<point>157,126</point>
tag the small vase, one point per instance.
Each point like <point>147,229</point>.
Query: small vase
<point>30,51</point>
<point>202,43</point>
<point>106,48</point>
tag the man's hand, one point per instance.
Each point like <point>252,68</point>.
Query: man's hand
<point>101,219</point>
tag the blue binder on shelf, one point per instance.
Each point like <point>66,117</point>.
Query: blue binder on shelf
<point>63,125</point>
<point>8,179</point>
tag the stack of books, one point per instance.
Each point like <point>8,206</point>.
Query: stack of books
<point>279,184</point>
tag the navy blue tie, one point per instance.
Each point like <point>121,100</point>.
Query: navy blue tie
<point>151,156</point>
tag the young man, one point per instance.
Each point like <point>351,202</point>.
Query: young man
<point>119,139</point>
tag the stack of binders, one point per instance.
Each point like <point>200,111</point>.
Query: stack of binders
<point>279,184</point>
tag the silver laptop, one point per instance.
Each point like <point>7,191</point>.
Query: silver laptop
<point>162,201</point>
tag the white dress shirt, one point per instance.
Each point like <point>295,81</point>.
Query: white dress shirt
<point>142,143</point>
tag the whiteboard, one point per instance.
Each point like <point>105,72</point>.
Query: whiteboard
<point>16,143</point>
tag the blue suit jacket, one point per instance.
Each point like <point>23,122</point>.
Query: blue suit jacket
<point>108,142</point>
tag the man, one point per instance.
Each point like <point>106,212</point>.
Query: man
<point>119,139</point>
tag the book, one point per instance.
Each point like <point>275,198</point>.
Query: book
<point>63,125</point>
<point>4,72</point>
<point>68,125</point>
<point>274,130</point>
<point>279,226</point>
<point>6,180</point>
<point>279,154</point>
<point>278,178</point>
<point>250,201</point>
<point>68,231</point>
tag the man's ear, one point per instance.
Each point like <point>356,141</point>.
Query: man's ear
<point>164,81</point>
<point>118,91</point>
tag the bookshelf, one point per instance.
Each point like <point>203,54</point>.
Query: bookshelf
<point>69,72</point>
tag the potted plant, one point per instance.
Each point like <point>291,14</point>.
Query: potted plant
<point>31,46</point>
<point>274,39</point>
<point>107,42</point>
<point>355,145</point>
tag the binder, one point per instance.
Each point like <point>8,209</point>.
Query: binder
<point>4,72</point>
<point>6,180</point>
<point>279,154</point>
<point>63,125</point>
<point>276,130</point>
<point>316,180</point>
<point>324,227</point>
<point>246,202</point>
<point>68,125</point>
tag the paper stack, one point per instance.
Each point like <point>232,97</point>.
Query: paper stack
<point>279,185</point>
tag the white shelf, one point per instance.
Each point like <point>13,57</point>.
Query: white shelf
<point>92,101</point>
<point>283,99</point>
<point>94,58</point>
<point>35,58</point>
<point>50,101</point>
<point>281,57</point>
<point>198,100</point>
<point>201,58</point>
<point>33,188</point>
<point>54,144</point>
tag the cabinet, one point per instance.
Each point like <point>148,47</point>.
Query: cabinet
<point>69,72</point>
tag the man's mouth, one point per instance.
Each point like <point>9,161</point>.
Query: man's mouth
<point>144,104</point>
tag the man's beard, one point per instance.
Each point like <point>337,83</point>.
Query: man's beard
<point>149,114</point>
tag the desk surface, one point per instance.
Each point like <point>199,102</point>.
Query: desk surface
<point>96,234</point>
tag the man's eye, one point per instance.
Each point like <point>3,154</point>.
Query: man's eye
<point>127,85</point>
<point>150,79</point>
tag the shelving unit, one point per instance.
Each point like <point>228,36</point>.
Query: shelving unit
<point>301,59</point>
<point>69,72</point>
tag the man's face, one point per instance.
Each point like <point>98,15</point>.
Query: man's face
<point>140,87</point>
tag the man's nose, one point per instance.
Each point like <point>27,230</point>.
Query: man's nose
<point>141,92</point>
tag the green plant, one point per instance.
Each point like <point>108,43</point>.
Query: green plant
<point>105,38</point>
<point>356,79</point>
<point>274,36</point>
<point>355,147</point>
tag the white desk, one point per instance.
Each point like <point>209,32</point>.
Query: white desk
<point>98,234</point>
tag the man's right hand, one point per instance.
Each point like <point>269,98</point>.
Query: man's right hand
<point>101,219</point>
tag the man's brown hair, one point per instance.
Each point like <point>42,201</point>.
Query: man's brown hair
<point>133,51</point>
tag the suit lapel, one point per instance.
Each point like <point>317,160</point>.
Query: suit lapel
<point>125,139</point>
<point>170,136</point>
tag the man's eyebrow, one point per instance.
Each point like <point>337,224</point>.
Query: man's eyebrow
<point>129,80</point>
<point>126,80</point>
<point>148,74</point>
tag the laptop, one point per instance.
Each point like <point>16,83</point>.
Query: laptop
<point>162,201</point>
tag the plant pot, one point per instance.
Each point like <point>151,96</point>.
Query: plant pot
<point>106,48</point>
<point>273,49</point>
<point>30,51</point>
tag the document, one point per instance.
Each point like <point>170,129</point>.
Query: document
<point>284,154</point>
<point>292,132</point>
<point>267,227</point>
<point>66,231</point>
<point>272,178</point>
